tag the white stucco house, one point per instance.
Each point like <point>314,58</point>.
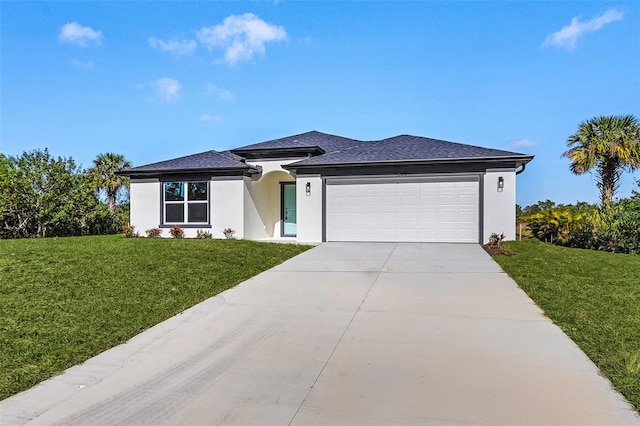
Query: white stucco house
<point>316,187</point>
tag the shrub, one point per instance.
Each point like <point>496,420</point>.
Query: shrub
<point>176,232</point>
<point>153,232</point>
<point>622,231</point>
<point>201,235</point>
<point>229,234</point>
<point>495,240</point>
<point>573,226</point>
<point>615,228</point>
<point>129,231</point>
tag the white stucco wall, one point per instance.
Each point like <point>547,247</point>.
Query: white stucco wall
<point>309,208</point>
<point>499,207</point>
<point>262,205</point>
<point>145,204</point>
<point>227,206</point>
<point>254,227</point>
<point>272,165</point>
<point>262,199</point>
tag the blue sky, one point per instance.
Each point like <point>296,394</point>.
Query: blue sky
<point>158,80</point>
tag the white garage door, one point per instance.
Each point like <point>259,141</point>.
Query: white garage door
<point>403,209</point>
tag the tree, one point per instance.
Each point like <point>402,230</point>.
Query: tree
<point>104,178</point>
<point>609,145</point>
<point>41,195</point>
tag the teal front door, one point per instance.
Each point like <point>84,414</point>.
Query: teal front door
<point>288,213</point>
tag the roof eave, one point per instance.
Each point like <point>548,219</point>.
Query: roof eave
<point>301,151</point>
<point>220,171</point>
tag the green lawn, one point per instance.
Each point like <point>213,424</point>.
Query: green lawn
<point>593,296</point>
<point>64,300</point>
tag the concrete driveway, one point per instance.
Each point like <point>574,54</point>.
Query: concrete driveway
<point>344,334</point>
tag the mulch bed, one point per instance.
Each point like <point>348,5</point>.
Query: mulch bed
<point>495,249</point>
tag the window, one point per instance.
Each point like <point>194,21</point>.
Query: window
<point>186,202</point>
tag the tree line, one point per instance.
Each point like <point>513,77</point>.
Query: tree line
<point>607,146</point>
<point>46,196</point>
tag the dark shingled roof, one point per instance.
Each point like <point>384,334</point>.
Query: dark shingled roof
<point>334,150</point>
<point>407,148</point>
<point>204,161</point>
<point>325,141</point>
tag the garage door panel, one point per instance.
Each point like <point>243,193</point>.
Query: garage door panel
<point>467,217</point>
<point>407,219</point>
<point>427,217</point>
<point>408,200</point>
<point>378,210</point>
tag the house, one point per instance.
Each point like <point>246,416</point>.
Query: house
<point>316,187</point>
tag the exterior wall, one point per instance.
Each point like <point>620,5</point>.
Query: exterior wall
<point>262,200</point>
<point>254,227</point>
<point>145,204</point>
<point>272,165</point>
<point>310,208</point>
<point>252,208</point>
<point>227,206</point>
<point>499,207</point>
<point>262,205</point>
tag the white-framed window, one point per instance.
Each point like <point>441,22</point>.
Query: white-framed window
<point>186,202</point>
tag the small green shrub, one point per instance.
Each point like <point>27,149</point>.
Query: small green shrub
<point>153,232</point>
<point>203,235</point>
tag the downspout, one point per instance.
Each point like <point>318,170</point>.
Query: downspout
<point>521,170</point>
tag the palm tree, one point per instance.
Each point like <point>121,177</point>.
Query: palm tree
<point>608,144</point>
<point>103,176</point>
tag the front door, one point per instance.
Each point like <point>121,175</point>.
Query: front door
<point>288,210</point>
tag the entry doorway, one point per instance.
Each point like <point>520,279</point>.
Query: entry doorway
<point>288,214</point>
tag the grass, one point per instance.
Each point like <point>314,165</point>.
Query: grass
<point>593,296</point>
<point>65,300</point>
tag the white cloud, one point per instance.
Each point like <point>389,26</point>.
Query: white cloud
<point>84,65</point>
<point>241,36</point>
<point>213,90</point>
<point>75,33</point>
<point>523,143</point>
<point>567,37</point>
<point>209,117</point>
<point>179,48</point>
<point>167,89</point>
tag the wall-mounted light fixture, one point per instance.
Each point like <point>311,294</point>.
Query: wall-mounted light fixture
<point>500,183</point>
<point>307,188</point>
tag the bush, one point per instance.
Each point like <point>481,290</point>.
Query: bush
<point>495,240</point>
<point>615,228</point>
<point>101,222</point>
<point>201,235</point>
<point>229,234</point>
<point>176,232</point>
<point>622,231</point>
<point>153,232</point>
<point>129,231</point>
<point>572,226</point>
